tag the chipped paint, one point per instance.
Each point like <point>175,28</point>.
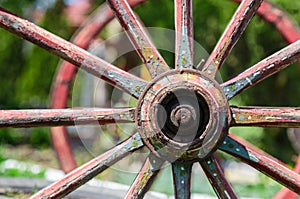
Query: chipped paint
<point>262,162</point>
<point>215,175</point>
<point>231,35</point>
<point>139,38</point>
<point>135,87</point>
<point>262,70</point>
<point>182,179</point>
<point>70,52</point>
<point>266,116</point>
<point>184,37</point>
<point>66,73</point>
<point>145,178</point>
<point>87,171</point>
<point>58,117</point>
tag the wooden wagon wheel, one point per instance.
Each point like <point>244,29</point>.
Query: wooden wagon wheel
<point>192,105</point>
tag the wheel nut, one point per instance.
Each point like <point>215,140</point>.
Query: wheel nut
<point>183,115</point>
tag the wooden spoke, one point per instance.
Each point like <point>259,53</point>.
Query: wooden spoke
<point>266,116</point>
<point>184,49</point>
<point>145,178</point>
<point>283,22</point>
<point>182,179</point>
<point>262,70</point>
<point>139,38</point>
<point>82,174</point>
<point>72,53</point>
<point>231,35</point>
<point>59,117</point>
<point>216,177</point>
<point>285,192</point>
<point>262,162</point>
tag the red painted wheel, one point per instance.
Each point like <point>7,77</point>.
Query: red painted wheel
<point>182,116</point>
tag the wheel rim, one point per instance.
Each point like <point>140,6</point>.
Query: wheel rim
<point>184,62</point>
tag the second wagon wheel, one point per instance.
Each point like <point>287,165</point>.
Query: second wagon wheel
<point>182,116</point>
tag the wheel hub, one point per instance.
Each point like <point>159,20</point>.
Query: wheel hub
<point>182,114</point>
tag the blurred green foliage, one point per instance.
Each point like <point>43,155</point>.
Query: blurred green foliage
<point>26,71</point>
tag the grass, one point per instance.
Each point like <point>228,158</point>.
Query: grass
<point>262,188</point>
<point>13,168</point>
<point>265,188</point>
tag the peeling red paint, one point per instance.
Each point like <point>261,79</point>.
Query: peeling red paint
<point>184,87</point>
<point>145,178</point>
<point>286,26</point>
<point>266,116</point>
<point>261,161</point>
<point>231,35</point>
<point>210,98</point>
<point>71,53</point>
<point>139,38</point>
<point>63,117</point>
<point>214,173</point>
<point>184,42</point>
<point>84,173</point>
<point>263,69</point>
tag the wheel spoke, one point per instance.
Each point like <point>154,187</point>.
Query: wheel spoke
<point>231,35</point>
<point>82,38</point>
<point>139,38</point>
<point>266,116</point>
<point>262,162</point>
<point>184,49</point>
<point>87,171</point>
<point>283,22</point>
<point>262,70</point>
<point>216,177</point>
<point>63,117</point>
<point>182,179</point>
<point>145,177</point>
<point>72,53</point>
<point>95,23</point>
<point>285,192</point>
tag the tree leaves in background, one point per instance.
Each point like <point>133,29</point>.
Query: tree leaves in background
<point>35,81</point>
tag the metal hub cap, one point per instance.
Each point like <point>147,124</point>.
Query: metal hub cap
<point>183,114</point>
